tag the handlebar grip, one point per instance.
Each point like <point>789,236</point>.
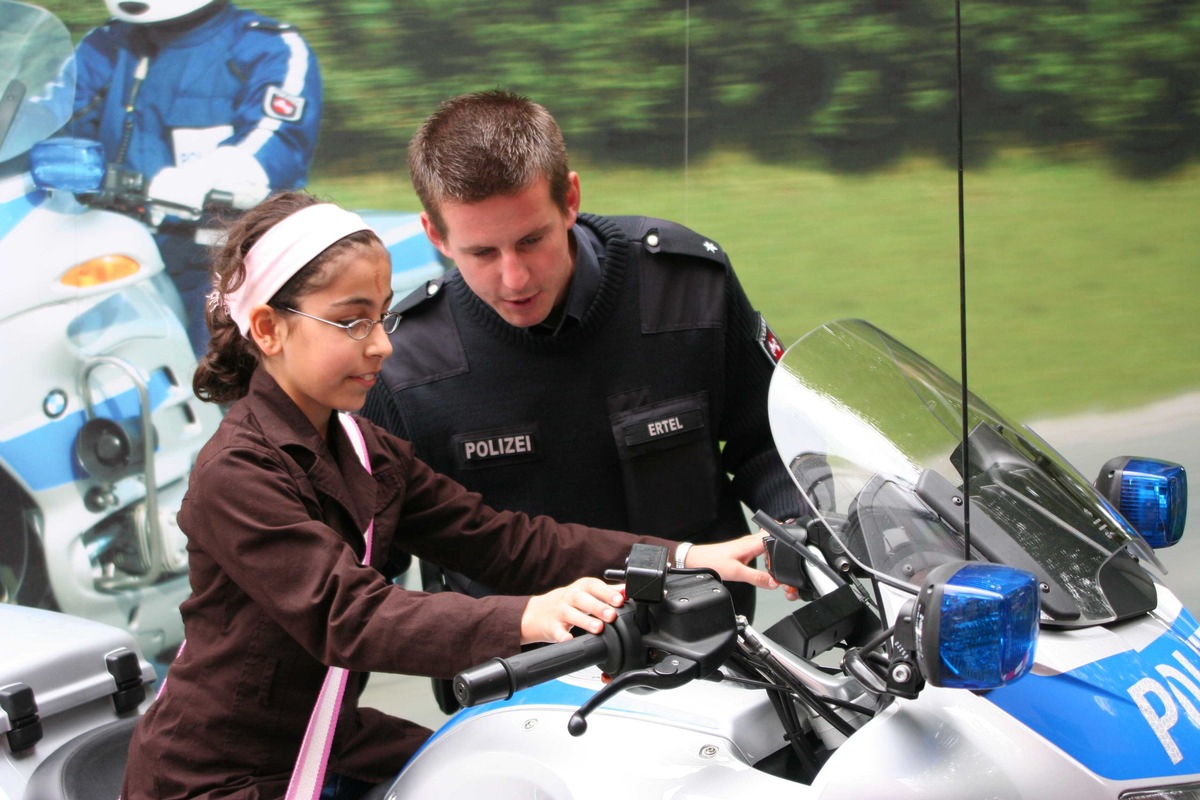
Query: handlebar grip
<point>499,678</point>
<point>796,543</point>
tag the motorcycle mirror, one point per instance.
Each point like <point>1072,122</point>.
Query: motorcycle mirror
<point>976,625</point>
<point>1151,494</point>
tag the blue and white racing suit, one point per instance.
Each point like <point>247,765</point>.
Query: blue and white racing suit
<point>160,96</point>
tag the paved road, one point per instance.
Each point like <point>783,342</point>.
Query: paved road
<point>1168,430</point>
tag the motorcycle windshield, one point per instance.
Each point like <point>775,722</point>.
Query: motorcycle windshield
<point>871,433</point>
<point>37,77</point>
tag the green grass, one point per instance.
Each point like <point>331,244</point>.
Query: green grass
<point>1082,286</point>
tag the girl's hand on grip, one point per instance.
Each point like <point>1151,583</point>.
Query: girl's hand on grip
<point>587,604</point>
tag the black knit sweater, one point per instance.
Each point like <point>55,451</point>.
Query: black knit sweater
<point>649,415</point>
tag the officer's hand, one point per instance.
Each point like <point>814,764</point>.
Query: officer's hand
<point>731,560</point>
<point>178,192</point>
<point>587,603</point>
<point>183,191</point>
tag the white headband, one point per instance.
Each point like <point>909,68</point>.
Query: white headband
<point>283,250</point>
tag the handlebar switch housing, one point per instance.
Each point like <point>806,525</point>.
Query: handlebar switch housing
<point>122,190</point>
<point>696,621</point>
<point>646,573</point>
<point>787,567</point>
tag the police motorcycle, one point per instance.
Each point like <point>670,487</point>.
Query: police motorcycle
<point>1050,663</point>
<point>979,621</point>
<point>98,424</point>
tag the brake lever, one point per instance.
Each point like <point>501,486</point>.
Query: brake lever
<point>669,673</point>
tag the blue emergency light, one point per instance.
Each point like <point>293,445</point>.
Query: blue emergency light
<point>976,625</point>
<point>1151,494</point>
<point>68,164</point>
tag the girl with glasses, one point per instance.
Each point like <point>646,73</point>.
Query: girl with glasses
<point>293,534</point>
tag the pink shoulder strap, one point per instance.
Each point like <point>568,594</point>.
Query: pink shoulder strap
<point>309,775</point>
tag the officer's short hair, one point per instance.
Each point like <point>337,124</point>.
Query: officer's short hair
<point>484,144</point>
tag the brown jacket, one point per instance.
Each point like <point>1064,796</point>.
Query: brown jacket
<point>274,519</point>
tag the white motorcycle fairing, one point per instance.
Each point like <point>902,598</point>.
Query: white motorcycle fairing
<point>1121,699</point>
<point>1104,707</point>
<point>1079,733</point>
<point>53,335</point>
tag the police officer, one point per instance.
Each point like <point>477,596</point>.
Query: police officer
<point>606,370</point>
<point>197,96</point>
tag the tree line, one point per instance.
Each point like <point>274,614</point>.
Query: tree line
<point>852,84</point>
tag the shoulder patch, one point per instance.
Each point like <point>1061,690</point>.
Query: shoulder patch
<point>666,237</point>
<point>283,106</point>
<point>419,296</point>
<point>768,341</point>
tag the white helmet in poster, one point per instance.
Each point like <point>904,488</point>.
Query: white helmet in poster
<point>145,12</point>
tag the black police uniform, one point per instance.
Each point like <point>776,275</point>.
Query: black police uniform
<point>614,415</point>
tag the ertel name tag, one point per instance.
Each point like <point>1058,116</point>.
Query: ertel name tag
<point>663,426</point>
<point>643,431</point>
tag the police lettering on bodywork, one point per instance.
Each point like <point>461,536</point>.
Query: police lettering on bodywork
<point>768,341</point>
<point>1179,688</point>
<point>282,105</point>
<point>497,447</point>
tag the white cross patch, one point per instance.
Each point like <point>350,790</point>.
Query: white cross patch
<point>710,247</point>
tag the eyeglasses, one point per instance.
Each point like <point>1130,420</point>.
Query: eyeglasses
<point>360,328</point>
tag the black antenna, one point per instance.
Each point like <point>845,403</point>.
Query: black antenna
<point>687,110</point>
<point>962,287</point>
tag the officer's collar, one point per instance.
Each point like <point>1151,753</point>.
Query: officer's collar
<point>585,281</point>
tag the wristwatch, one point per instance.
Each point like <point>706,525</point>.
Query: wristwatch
<point>681,552</point>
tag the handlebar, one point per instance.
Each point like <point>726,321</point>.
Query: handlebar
<point>125,191</point>
<point>499,678</point>
<point>689,622</point>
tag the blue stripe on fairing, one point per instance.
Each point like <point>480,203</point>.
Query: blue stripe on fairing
<point>1092,713</point>
<point>15,210</point>
<point>45,457</point>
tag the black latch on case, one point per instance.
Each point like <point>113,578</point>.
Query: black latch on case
<point>25,727</point>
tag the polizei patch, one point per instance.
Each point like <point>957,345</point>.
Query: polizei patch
<point>497,447</point>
